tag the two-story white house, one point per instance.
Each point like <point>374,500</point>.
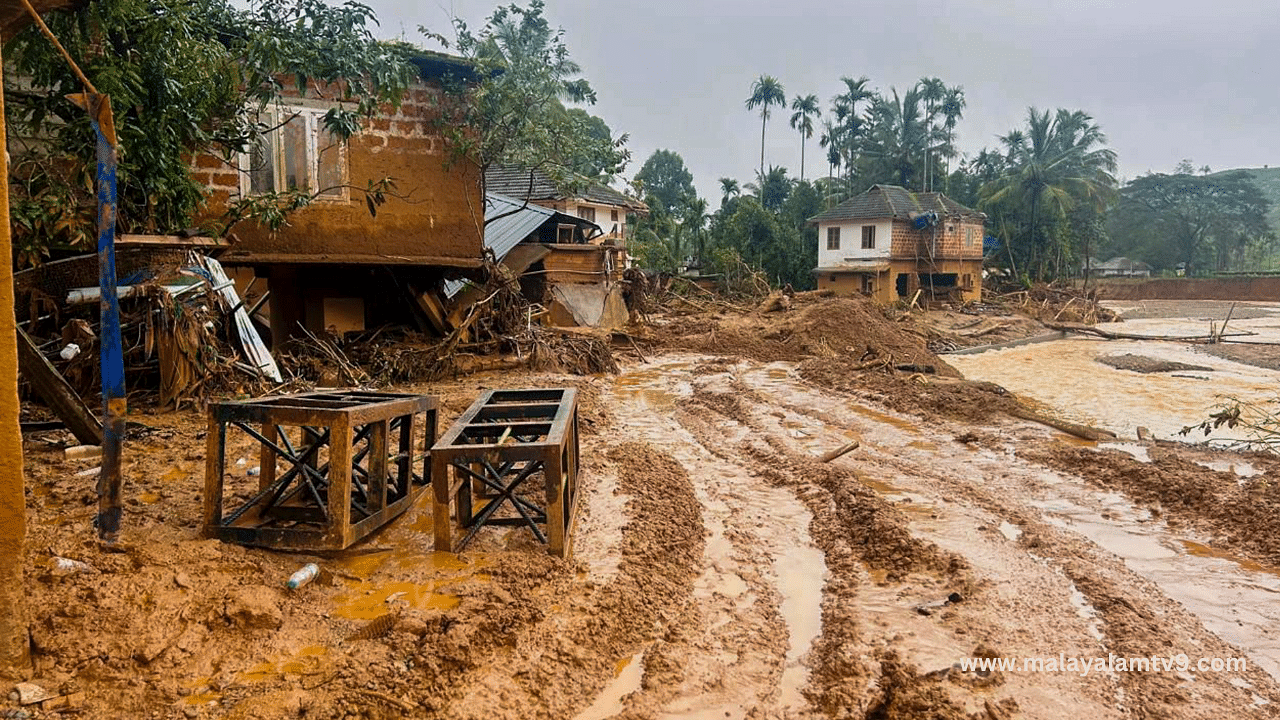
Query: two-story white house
<point>888,243</point>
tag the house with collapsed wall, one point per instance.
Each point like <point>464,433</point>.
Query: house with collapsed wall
<point>890,243</point>
<point>596,203</point>
<point>335,266</point>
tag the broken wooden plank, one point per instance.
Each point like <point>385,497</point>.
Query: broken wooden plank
<point>53,388</point>
<point>434,311</point>
<point>842,450</point>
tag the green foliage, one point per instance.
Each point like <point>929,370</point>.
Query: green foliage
<point>766,92</point>
<point>516,114</point>
<point>1055,182</point>
<point>666,183</point>
<point>1206,221</point>
<point>184,77</point>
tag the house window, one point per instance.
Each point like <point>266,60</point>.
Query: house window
<point>868,285</point>
<point>564,234</point>
<point>587,213</point>
<point>868,237</point>
<point>833,238</point>
<point>297,153</point>
<point>968,237</point>
<point>613,216</point>
<point>968,279</point>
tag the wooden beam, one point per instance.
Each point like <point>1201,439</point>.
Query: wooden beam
<point>435,312</point>
<point>53,388</point>
<point>170,241</point>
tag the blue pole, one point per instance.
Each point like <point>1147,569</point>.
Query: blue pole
<point>115,405</point>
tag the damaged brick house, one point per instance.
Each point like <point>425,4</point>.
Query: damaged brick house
<point>888,243</point>
<point>578,280</point>
<point>595,203</point>
<point>334,265</point>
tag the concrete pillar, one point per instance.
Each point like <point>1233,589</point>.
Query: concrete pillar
<point>14,644</point>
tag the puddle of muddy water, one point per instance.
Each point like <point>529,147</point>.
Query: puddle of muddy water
<point>1237,600</point>
<point>1064,375</point>
<point>626,680</point>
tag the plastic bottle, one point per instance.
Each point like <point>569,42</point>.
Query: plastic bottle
<point>303,576</point>
<point>70,351</point>
<point>66,566</point>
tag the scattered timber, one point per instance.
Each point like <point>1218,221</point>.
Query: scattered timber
<point>62,399</point>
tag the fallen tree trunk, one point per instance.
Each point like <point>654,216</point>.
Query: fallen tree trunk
<point>1070,428</point>
<point>1111,335</point>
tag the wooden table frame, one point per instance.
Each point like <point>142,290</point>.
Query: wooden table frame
<point>297,509</point>
<point>502,440</point>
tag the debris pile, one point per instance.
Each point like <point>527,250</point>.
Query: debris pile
<point>1056,303</point>
<point>186,336</point>
<point>498,331</point>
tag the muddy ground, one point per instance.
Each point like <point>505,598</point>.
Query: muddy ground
<point>722,570</point>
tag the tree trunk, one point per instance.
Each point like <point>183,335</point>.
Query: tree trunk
<point>802,157</point>
<point>1035,247</point>
<point>762,122</point>
<point>14,642</point>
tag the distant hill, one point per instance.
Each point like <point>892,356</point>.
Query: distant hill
<point>1268,181</point>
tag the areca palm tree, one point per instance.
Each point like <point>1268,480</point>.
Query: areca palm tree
<point>849,123</point>
<point>766,92</point>
<point>729,189</point>
<point>932,92</point>
<point>806,109</point>
<point>1058,163</point>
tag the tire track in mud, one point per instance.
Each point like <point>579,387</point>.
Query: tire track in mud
<point>1137,619</point>
<point>740,637</point>
<point>553,665</point>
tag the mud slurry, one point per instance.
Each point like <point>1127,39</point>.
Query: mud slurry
<point>722,571</point>
<point>913,516</point>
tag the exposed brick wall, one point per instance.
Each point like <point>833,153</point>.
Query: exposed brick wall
<point>442,215</point>
<point>949,236</point>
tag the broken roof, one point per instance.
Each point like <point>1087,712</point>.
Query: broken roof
<point>508,221</point>
<point>892,201</point>
<point>519,182</point>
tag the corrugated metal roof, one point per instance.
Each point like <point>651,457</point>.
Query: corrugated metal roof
<point>507,222</point>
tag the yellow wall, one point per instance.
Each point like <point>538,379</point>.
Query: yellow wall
<point>13,511</point>
<point>884,284</point>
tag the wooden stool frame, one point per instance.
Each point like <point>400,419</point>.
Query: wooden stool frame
<point>351,473</point>
<point>499,443</point>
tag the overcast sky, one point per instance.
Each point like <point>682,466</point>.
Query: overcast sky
<point>1166,80</point>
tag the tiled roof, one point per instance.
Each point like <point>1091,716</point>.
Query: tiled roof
<point>517,183</point>
<point>892,201</point>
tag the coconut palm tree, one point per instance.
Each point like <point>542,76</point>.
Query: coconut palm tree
<point>896,137</point>
<point>806,109</point>
<point>1058,163</point>
<point>766,92</point>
